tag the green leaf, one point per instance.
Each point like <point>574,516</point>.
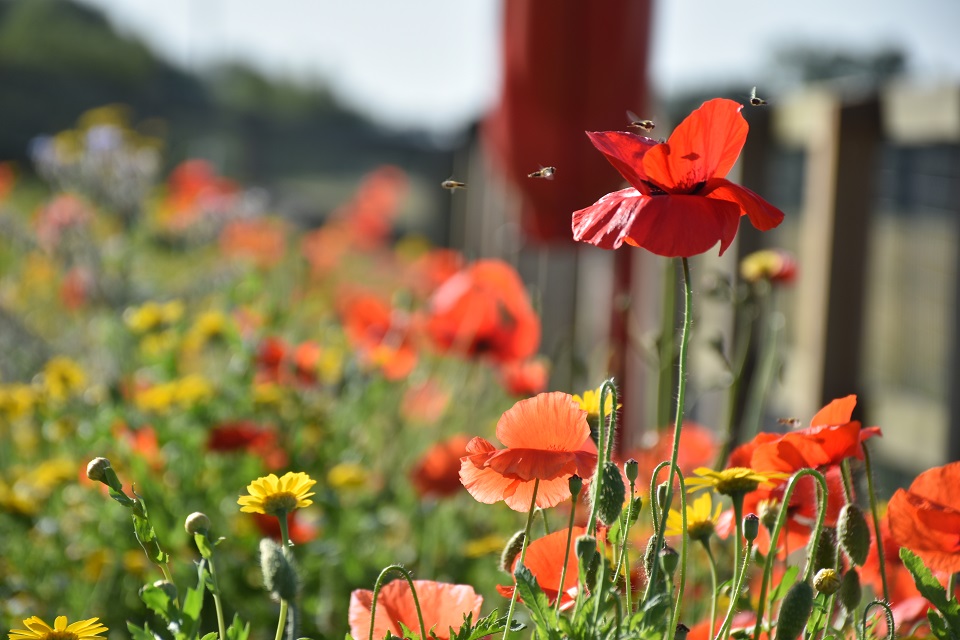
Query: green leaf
<point>931,589</point>
<point>238,630</point>
<point>203,544</point>
<point>938,626</point>
<point>536,601</point>
<point>492,624</point>
<point>190,613</point>
<point>789,577</point>
<point>159,601</point>
<point>210,636</point>
<point>136,633</point>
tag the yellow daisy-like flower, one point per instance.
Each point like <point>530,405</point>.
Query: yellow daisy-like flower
<point>590,402</point>
<point>275,496</point>
<point>347,475</point>
<point>62,377</point>
<point>701,519</point>
<point>38,629</point>
<point>733,481</point>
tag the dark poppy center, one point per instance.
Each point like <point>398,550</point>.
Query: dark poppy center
<point>654,189</point>
<point>698,187</point>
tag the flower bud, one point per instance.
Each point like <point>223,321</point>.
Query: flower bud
<point>279,575</point>
<point>751,527</point>
<point>826,553</point>
<point>854,533</point>
<point>769,512</point>
<point>612,494</point>
<point>850,591</point>
<point>661,495</point>
<point>795,611</point>
<point>586,547</point>
<point>682,631</point>
<point>635,510</point>
<point>669,559</point>
<point>827,581</point>
<point>96,470</point>
<point>576,484</point>
<point>649,555</point>
<point>511,551</point>
<point>197,522</point>
<point>632,469</point>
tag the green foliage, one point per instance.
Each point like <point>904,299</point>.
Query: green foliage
<point>930,588</point>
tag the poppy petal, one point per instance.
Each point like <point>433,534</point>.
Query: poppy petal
<point>548,421</point>
<point>763,215</point>
<point>683,226</point>
<point>625,152</point>
<point>602,224</point>
<point>705,145</point>
<point>839,411</point>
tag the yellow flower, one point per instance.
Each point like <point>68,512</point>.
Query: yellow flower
<point>158,343</point>
<point>701,519</point>
<point>156,399</point>
<point>62,377</point>
<point>275,496</point>
<point>768,264</point>
<point>192,390</point>
<point>347,476</point>
<point>152,315</point>
<point>17,400</point>
<point>40,630</point>
<point>733,481</point>
<point>590,402</point>
<point>267,393</point>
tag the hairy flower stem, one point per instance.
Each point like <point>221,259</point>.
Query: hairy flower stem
<point>891,628</point>
<point>666,350</point>
<point>283,620</point>
<point>713,583</point>
<point>413,591</point>
<point>672,629</point>
<point>678,421</point>
<point>724,632</point>
<point>737,499</point>
<point>847,480</point>
<point>566,553</point>
<point>523,556</point>
<point>876,520</point>
<point>218,605</point>
<point>775,537</point>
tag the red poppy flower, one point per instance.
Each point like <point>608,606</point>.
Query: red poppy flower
<point>926,517</point>
<point>524,378</point>
<point>244,435</point>
<point>899,580</point>
<point>679,203</point>
<point>430,270</point>
<point>438,471</point>
<point>382,336</point>
<point>484,310</point>
<point>831,438</point>
<point>262,241</point>
<point>306,358</point>
<point>300,532</point>
<point>547,439</point>
<point>545,561</point>
<point>443,607</point>
<point>698,448</point>
<point>269,359</point>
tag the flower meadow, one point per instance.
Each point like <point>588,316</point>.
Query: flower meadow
<point>217,425</point>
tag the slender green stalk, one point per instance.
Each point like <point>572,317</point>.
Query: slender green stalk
<point>218,605</point>
<point>952,578</point>
<point>775,536</point>
<point>713,584</point>
<point>831,603</point>
<point>875,512</point>
<point>165,569</point>
<point>523,556</point>
<point>283,620</point>
<point>737,499</point>
<point>678,421</point>
<point>665,384</point>
<point>413,592</point>
<point>891,629</point>
<point>284,530</point>
<point>546,525</point>
<point>624,554</point>
<point>566,553</point>
<point>724,632</point>
<point>847,480</point>
<point>672,630</point>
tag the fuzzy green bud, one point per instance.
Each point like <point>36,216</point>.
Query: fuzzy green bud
<point>97,468</point>
<point>632,470</point>
<point>795,611</point>
<point>612,494</point>
<point>669,560</point>
<point>751,526</point>
<point>586,547</point>
<point>649,556</point>
<point>197,522</point>
<point>279,575</point>
<point>827,581</point>
<point>850,592</point>
<point>511,551</point>
<point>635,509</point>
<point>826,553</point>
<point>854,533</point>
<point>769,512</point>
<point>576,484</point>
<point>661,495</point>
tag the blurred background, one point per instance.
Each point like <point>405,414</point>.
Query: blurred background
<point>859,143</point>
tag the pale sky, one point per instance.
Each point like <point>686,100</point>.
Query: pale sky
<point>435,63</point>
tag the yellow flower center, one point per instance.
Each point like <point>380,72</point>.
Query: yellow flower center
<point>61,635</point>
<point>278,503</point>
<point>700,529</point>
<point>737,480</point>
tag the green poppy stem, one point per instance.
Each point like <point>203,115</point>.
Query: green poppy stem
<point>891,628</point>
<point>713,583</point>
<point>283,620</point>
<point>218,605</point>
<point>413,592</point>
<point>737,499</point>
<point>724,632</point>
<point>666,350</point>
<point>678,421</point>
<point>566,553</point>
<point>523,556</point>
<point>875,512</point>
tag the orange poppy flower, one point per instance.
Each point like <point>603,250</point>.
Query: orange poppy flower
<point>430,270</point>
<point>524,378</point>
<point>368,216</point>
<point>382,336</point>
<point>261,241</point>
<point>424,403</point>
<point>245,435</point>
<point>545,561</point>
<point>547,439</point>
<point>306,357</point>
<point>443,607</point>
<point>698,448</point>
<point>679,203</point>
<point>300,532</point>
<point>269,359</point>
<point>484,310</point>
<point>926,517</point>
<point>438,471</point>
<point>899,580</point>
